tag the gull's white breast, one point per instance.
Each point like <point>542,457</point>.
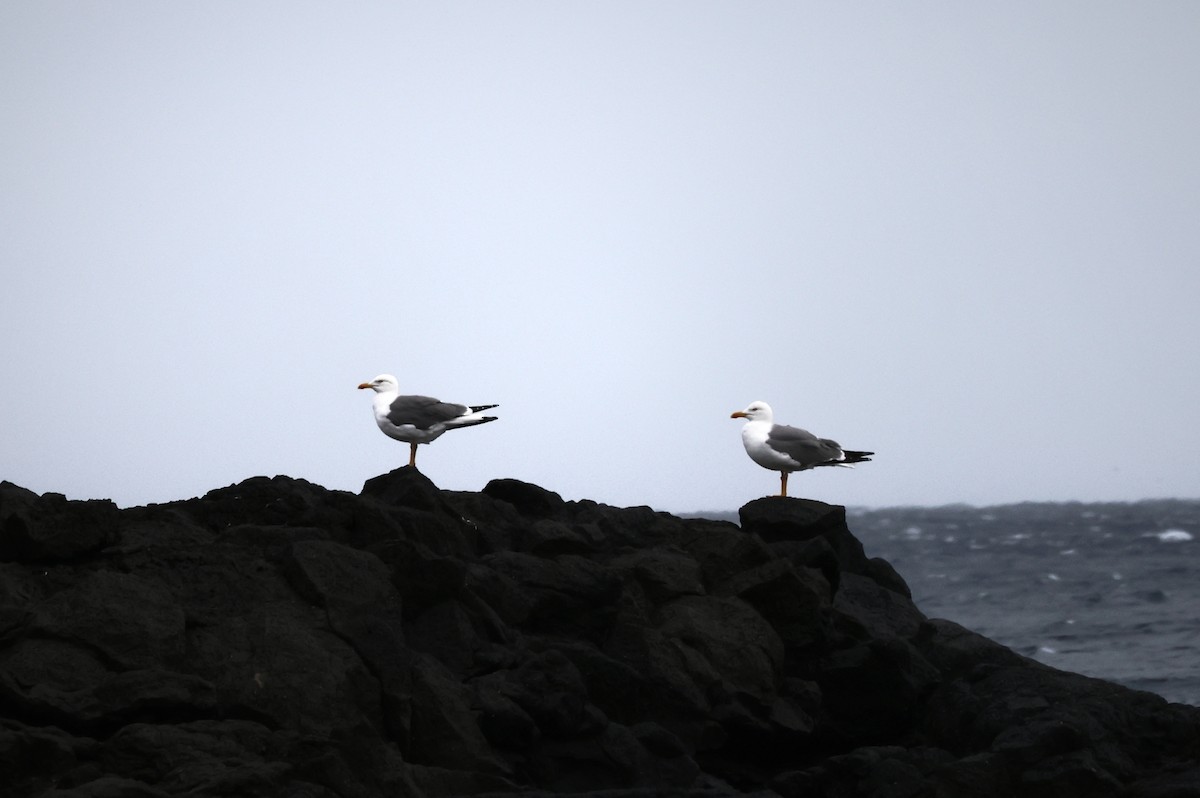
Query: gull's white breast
<point>754,438</point>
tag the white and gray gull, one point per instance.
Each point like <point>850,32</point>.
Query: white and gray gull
<point>418,419</point>
<point>786,449</point>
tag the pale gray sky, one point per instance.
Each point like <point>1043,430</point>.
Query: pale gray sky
<point>963,235</point>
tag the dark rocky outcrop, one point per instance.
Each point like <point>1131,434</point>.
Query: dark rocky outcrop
<point>275,638</point>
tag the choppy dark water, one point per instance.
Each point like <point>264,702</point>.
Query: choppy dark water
<point>1107,590</point>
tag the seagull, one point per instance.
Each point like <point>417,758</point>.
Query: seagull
<point>786,449</point>
<point>418,419</point>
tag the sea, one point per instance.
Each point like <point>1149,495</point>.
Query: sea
<point>1110,590</point>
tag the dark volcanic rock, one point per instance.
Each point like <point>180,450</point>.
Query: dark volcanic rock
<point>49,527</point>
<point>274,638</point>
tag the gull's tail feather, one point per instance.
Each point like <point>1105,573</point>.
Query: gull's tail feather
<point>472,418</point>
<point>469,421</point>
<point>848,459</point>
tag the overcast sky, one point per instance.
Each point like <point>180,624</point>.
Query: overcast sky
<point>965,236</point>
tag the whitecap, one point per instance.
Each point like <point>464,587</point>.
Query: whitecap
<point>1053,577</point>
<point>1174,536</point>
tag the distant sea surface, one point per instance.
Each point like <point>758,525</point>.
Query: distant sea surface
<point>1106,590</point>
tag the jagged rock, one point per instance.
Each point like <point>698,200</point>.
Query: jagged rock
<point>48,527</point>
<point>529,500</point>
<point>568,595</point>
<point>274,638</point>
<point>662,574</point>
<point>878,611</point>
<point>801,519</point>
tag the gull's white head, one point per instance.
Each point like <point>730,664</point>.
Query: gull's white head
<point>382,384</point>
<point>757,411</point>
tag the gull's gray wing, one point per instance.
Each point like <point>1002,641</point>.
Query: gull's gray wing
<point>423,412</point>
<point>802,446</point>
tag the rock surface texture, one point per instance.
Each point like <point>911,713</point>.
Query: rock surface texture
<point>275,638</point>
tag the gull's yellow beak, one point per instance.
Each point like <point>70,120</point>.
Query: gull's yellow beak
<point>364,385</point>
<point>738,414</point>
